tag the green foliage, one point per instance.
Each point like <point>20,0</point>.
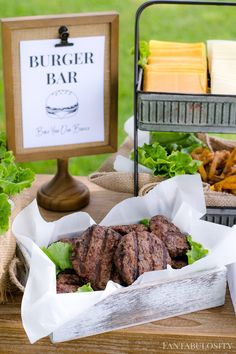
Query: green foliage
<point>13,179</point>
<point>85,288</point>
<point>145,222</point>
<point>184,142</point>
<point>155,157</point>
<point>197,251</point>
<point>59,253</point>
<point>144,52</point>
<point>5,212</point>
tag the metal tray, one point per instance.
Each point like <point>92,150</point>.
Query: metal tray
<point>186,113</point>
<point>181,112</point>
<point>223,216</point>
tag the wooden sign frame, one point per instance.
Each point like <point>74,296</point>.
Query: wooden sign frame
<point>15,30</point>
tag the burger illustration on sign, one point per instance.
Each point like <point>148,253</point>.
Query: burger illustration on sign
<point>62,104</point>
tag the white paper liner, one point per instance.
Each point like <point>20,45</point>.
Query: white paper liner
<point>180,198</point>
<point>143,136</point>
<point>231,275</point>
<point>124,164</point>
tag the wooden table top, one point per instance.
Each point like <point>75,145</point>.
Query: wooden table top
<point>208,331</point>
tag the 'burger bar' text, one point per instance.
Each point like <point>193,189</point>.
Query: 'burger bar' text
<point>55,60</point>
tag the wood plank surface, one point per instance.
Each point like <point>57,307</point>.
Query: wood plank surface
<point>208,331</point>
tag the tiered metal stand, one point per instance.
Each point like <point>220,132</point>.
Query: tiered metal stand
<point>181,112</point>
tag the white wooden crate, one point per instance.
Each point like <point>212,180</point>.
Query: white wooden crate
<point>146,303</point>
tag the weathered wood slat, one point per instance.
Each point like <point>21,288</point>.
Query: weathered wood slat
<point>146,303</point>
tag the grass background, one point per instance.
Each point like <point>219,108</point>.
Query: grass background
<point>162,22</point>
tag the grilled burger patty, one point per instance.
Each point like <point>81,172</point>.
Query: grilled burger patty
<point>140,252</point>
<point>92,256</point>
<point>125,229</point>
<point>122,253</point>
<point>72,241</point>
<point>173,238</point>
<point>179,262</point>
<point>68,282</point>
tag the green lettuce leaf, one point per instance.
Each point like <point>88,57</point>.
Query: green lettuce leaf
<point>59,253</point>
<point>13,180</point>
<point>196,252</point>
<point>181,163</point>
<point>145,222</point>
<point>3,140</point>
<point>85,288</point>
<point>3,147</point>
<point>144,53</point>
<point>184,142</point>
<point>5,212</point>
<point>155,157</point>
<point>23,179</point>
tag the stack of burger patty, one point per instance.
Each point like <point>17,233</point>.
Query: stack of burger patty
<point>122,253</point>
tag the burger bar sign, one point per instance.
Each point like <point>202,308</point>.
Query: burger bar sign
<point>61,95</point>
<point>63,90</point>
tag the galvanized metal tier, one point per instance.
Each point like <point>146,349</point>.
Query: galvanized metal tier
<point>186,113</point>
<point>223,216</point>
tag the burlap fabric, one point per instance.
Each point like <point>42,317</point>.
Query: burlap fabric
<point>124,150</point>
<point>19,269</point>
<point>120,181</point>
<point>107,178</point>
<point>213,199</point>
<point>7,251</point>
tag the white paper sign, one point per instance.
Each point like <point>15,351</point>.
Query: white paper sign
<point>62,92</point>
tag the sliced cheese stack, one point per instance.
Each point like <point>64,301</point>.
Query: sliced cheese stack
<point>222,66</point>
<point>176,67</point>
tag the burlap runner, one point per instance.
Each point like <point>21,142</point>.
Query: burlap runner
<point>213,199</point>
<point>123,182</point>
<point>120,181</point>
<point>219,199</point>
<point>19,269</point>
<point>124,150</point>
<point>7,251</point>
<point>216,143</point>
<point>108,178</point>
<point>16,273</point>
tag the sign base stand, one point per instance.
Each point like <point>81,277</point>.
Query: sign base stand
<point>63,193</point>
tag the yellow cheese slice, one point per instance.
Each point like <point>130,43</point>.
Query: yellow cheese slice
<point>178,52</point>
<point>158,44</point>
<point>174,82</point>
<point>177,60</point>
<point>176,67</point>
